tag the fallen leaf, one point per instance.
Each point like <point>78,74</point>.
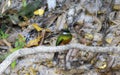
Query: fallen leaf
<point>23,24</point>
<point>5,5</point>
<point>7,43</point>
<point>99,12</point>
<point>21,38</point>
<point>34,42</point>
<point>49,20</point>
<point>39,12</point>
<point>98,25</point>
<point>116,7</point>
<point>1,43</point>
<point>32,71</point>
<point>102,65</point>
<point>47,30</point>
<point>89,36</point>
<point>36,26</point>
<point>51,4</point>
<point>109,40</point>
<point>61,22</point>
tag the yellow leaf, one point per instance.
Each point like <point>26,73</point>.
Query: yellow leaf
<point>39,12</point>
<point>89,36</point>
<point>116,7</point>
<point>36,26</point>
<point>33,71</point>
<point>27,74</point>
<point>109,40</point>
<point>34,42</point>
<point>21,37</point>
<point>47,30</point>
<point>100,12</point>
<point>102,65</point>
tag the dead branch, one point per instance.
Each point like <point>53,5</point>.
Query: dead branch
<point>27,51</point>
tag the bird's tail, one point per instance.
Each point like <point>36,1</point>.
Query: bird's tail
<point>55,58</point>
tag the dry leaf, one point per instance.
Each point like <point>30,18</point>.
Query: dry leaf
<point>36,26</point>
<point>100,12</point>
<point>116,40</point>
<point>7,43</point>
<point>51,4</point>
<point>49,20</point>
<point>89,36</point>
<point>98,37</point>
<point>116,64</point>
<point>33,71</point>
<point>61,22</point>
<point>21,37</point>
<point>34,42</point>
<point>116,7</point>
<point>109,40</point>
<point>23,24</point>
<point>5,6</point>
<point>47,30</point>
<point>98,25</point>
<point>39,12</point>
<point>102,65</point>
<point>1,43</point>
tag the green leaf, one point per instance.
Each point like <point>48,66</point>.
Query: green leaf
<point>13,64</point>
<point>3,35</point>
<point>30,8</point>
<point>24,4</point>
<point>18,45</point>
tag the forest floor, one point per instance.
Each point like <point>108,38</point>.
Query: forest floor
<point>32,23</point>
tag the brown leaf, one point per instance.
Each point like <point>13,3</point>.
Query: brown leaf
<point>61,22</point>
<point>23,24</point>
<point>48,21</point>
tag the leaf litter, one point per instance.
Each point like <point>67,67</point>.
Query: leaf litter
<point>92,23</point>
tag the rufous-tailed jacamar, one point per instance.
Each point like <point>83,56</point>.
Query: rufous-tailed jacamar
<point>64,38</point>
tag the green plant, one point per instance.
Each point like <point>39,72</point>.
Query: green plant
<point>3,35</point>
<point>20,43</point>
<point>24,3</point>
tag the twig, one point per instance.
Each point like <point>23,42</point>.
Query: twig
<point>7,43</point>
<point>8,30</point>
<point>27,51</point>
<point>43,36</point>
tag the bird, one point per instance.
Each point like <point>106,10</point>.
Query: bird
<point>64,38</point>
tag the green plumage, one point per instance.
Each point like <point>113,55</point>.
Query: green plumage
<point>64,38</point>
